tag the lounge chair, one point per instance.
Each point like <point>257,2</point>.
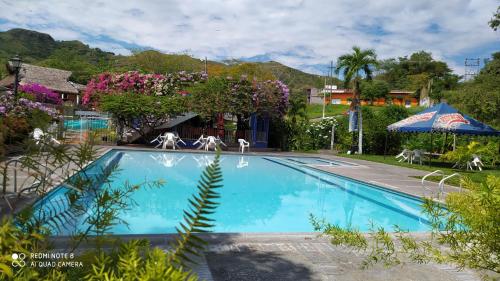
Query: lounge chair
<point>157,139</point>
<point>243,144</point>
<point>201,140</point>
<point>219,141</point>
<point>178,140</point>
<point>404,155</point>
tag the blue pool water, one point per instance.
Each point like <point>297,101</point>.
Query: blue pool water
<point>260,194</point>
<point>90,124</point>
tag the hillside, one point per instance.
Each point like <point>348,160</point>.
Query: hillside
<point>41,49</point>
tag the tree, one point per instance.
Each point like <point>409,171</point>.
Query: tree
<point>298,106</point>
<point>210,99</point>
<point>419,73</point>
<point>495,20</point>
<point>374,89</point>
<point>352,65</point>
<point>481,96</point>
<point>140,112</point>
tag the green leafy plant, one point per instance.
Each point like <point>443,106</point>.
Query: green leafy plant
<point>196,220</point>
<point>134,260</point>
<point>465,233</point>
<point>462,154</point>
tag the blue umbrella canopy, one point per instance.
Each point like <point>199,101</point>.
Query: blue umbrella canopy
<point>442,118</point>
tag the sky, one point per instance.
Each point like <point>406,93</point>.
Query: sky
<point>302,34</point>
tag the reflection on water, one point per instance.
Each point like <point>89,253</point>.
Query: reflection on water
<point>349,204</point>
<point>167,160</point>
<point>205,160</point>
<point>242,163</point>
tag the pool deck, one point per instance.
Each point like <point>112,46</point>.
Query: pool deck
<point>392,177</point>
<point>296,256</point>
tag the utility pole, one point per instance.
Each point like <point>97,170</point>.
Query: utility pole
<point>206,66</point>
<point>328,87</point>
<point>331,80</point>
<point>332,140</point>
<point>324,99</point>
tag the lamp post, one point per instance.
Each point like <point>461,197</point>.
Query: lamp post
<point>16,65</point>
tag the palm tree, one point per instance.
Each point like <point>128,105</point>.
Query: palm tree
<point>352,66</point>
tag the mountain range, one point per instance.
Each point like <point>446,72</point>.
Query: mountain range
<point>85,62</point>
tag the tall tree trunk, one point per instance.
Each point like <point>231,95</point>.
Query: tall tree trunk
<point>357,93</point>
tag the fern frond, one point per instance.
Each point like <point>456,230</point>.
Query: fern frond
<point>195,218</point>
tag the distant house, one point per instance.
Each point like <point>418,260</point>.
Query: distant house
<point>344,96</point>
<point>52,78</point>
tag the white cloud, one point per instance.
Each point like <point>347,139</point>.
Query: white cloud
<point>297,33</point>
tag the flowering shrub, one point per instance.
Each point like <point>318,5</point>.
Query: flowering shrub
<point>313,135</point>
<point>135,82</point>
<point>321,132</point>
<point>271,97</point>
<point>18,117</point>
<point>244,96</point>
<point>23,107</point>
<point>41,93</point>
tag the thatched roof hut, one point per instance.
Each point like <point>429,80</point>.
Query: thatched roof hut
<point>52,78</point>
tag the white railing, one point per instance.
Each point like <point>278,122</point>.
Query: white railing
<point>441,173</point>
<point>441,183</point>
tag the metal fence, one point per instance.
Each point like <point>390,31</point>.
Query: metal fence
<point>77,129</point>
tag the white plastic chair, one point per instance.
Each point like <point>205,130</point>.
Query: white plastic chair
<point>211,142</point>
<point>404,155</point>
<point>476,162</point>
<point>417,155</point>
<point>39,136</point>
<point>243,144</point>
<point>168,140</point>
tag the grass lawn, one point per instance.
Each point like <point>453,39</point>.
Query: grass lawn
<point>436,165</point>
<point>316,110</point>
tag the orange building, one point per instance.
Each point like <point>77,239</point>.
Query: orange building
<point>397,97</point>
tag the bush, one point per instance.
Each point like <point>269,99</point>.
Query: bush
<point>462,154</point>
<point>307,136</point>
<point>375,129</point>
<point>465,233</point>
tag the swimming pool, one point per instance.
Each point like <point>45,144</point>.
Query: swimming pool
<point>85,124</point>
<point>260,194</point>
